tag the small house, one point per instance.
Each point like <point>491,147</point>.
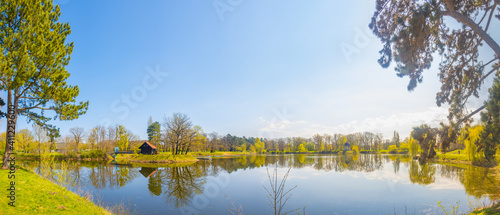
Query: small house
<point>148,149</point>
<point>347,146</point>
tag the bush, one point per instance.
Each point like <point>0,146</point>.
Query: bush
<point>356,149</point>
<point>404,148</point>
<point>393,149</point>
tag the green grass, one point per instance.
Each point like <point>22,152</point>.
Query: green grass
<point>451,156</point>
<point>85,155</point>
<point>160,158</point>
<point>493,210</point>
<point>36,195</point>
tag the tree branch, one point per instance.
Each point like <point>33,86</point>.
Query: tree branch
<point>470,115</point>
<point>476,28</point>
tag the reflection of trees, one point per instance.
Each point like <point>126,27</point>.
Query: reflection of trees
<point>182,183</point>
<point>477,181</point>
<point>179,184</point>
<point>422,174</point>
<point>111,176</point>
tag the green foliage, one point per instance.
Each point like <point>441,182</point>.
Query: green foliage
<point>404,148</point>
<point>490,135</point>
<point>414,147</point>
<point>426,137</point>
<point>470,136</point>
<point>34,54</point>
<point>393,149</point>
<point>309,146</point>
<point>252,148</point>
<point>301,148</point>
<point>154,134</point>
<point>259,146</point>
<point>123,137</point>
<point>242,148</point>
<point>355,148</point>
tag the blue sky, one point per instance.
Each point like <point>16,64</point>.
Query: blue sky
<point>259,68</point>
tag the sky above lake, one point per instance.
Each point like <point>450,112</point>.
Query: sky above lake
<point>248,68</point>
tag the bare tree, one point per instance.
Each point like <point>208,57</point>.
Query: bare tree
<point>40,136</point>
<point>77,134</point>
<point>178,132</point>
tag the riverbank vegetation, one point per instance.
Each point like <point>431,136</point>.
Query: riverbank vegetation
<point>159,158</point>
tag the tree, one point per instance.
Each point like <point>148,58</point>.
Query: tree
<point>414,148</point>
<point>259,146</point>
<point>122,137</point>
<point>34,53</point>
<point>154,133</point>
<point>396,139</point>
<point>40,137</point>
<point>301,148</point>
<point>93,137</point>
<point>24,140</point>
<point>178,132</point>
<point>77,134</point>
<point>198,140</point>
<point>53,134</point>
<point>426,137</point>
<point>412,31</point>
<point>490,135</point>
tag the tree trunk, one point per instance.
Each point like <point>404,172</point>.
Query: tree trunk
<point>11,129</point>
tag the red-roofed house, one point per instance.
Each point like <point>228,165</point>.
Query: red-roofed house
<point>148,149</point>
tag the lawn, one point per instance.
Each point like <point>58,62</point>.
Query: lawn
<point>36,195</point>
<point>160,158</point>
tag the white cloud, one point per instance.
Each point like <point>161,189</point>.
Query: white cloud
<point>401,122</point>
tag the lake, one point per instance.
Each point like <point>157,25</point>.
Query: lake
<point>325,184</point>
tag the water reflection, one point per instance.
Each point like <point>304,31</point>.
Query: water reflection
<point>179,184</point>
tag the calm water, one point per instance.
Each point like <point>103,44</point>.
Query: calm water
<point>326,184</point>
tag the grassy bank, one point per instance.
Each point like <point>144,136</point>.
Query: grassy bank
<point>160,158</point>
<point>36,195</point>
<point>458,156</point>
<point>83,155</point>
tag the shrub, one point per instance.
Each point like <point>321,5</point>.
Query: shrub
<point>356,149</point>
<point>393,149</point>
<point>404,148</point>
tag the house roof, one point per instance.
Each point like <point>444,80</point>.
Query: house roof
<point>147,171</point>
<point>151,145</point>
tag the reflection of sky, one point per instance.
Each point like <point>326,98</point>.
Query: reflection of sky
<point>378,192</point>
<point>381,191</point>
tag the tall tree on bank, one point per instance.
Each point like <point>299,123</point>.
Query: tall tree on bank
<point>154,133</point>
<point>178,132</point>
<point>411,31</point>
<point>33,57</point>
<point>77,134</point>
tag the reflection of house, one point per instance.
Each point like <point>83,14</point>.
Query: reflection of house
<point>147,171</point>
<point>148,149</point>
<point>347,146</point>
